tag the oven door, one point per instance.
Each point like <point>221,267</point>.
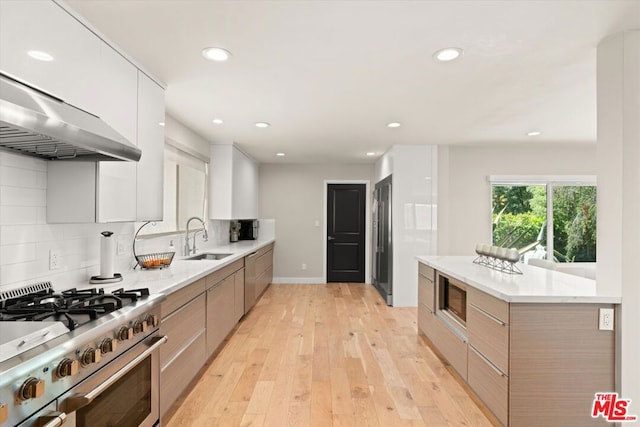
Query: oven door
<point>123,393</point>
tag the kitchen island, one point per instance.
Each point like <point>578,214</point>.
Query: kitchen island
<point>529,346</point>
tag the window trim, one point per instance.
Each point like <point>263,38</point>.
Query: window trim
<point>550,182</point>
<point>585,180</point>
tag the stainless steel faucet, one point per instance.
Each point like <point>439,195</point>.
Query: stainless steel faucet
<point>205,236</point>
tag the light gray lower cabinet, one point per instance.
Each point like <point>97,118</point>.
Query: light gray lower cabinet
<point>220,312</point>
<point>238,282</point>
<point>264,270</point>
<point>224,303</point>
<point>183,322</point>
<point>196,319</point>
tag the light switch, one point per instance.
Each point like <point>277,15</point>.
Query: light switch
<point>317,223</point>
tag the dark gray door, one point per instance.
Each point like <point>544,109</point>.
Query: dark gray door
<point>346,232</point>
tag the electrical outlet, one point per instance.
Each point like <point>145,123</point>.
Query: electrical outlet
<point>54,259</point>
<point>304,266</point>
<point>606,319</point>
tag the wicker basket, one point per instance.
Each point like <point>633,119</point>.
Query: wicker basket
<point>156,260</point>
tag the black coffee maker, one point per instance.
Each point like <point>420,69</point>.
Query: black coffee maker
<point>248,229</point>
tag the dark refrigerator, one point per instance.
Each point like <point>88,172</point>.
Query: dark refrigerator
<point>382,240</point>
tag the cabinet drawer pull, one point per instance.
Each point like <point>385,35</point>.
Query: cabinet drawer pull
<point>488,362</point>
<point>489,315</point>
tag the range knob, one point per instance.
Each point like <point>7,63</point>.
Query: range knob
<point>108,345</point>
<point>91,355</point>
<point>31,388</point>
<point>125,333</point>
<point>67,368</point>
<point>152,320</point>
<point>139,326</point>
<point>4,412</point>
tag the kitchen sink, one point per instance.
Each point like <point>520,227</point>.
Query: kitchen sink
<point>208,256</point>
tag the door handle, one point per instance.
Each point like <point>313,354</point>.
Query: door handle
<point>331,238</point>
<point>77,401</point>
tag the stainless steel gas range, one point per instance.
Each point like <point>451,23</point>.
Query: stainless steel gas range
<point>80,357</point>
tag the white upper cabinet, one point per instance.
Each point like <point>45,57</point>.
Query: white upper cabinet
<point>116,102</point>
<point>116,191</point>
<point>73,72</point>
<point>88,73</point>
<point>233,188</point>
<point>150,174</point>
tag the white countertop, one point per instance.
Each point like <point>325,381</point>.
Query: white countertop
<point>535,285</point>
<point>181,272</point>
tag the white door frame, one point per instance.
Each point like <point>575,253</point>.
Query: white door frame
<point>367,225</point>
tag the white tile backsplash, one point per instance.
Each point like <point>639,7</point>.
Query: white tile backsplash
<point>22,162</point>
<point>14,254</point>
<point>24,178</point>
<point>20,196</point>
<point>15,215</point>
<point>26,239</point>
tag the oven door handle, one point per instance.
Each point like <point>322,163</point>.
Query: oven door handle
<point>77,401</point>
<point>52,419</point>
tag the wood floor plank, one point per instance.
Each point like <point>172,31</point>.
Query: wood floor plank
<point>326,355</point>
<point>321,409</point>
<point>259,402</point>
<point>247,382</point>
<point>252,420</point>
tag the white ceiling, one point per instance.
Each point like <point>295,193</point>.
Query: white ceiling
<point>329,75</point>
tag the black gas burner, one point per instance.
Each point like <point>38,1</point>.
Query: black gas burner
<point>73,307</point>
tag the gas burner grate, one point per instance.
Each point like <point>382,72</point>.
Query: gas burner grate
<point>73,307</point>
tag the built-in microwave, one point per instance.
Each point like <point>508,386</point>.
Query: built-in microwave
<point>452,298</point>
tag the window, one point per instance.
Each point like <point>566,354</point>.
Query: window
<point>552,219</point>
<point>185,190</point>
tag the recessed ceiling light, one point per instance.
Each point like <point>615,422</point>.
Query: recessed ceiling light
<point>371,153</point>
<point>40,55</point>
<point>216,54</point>
<point>262,125</point>
<point>280,154</point>
<point>393,125</point>
<point>161,124</point>
<point>217,121</point>
<point>534,133</point>
<point>447,54</point>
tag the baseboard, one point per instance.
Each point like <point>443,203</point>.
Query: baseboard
<point>290,280</point>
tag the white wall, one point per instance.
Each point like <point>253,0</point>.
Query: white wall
<point>618,75</point>
<point>464,193</point>
<point>414,206</point>
<point>293,195</point>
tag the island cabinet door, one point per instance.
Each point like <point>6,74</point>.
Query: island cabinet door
<point>426,287</point>
<point>488,327</point>
<point>426,298</point>
<point>488,368</point>
<point>490,384</point>
<point>559,360</point>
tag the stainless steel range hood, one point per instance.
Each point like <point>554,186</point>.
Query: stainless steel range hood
<point>36,124</point>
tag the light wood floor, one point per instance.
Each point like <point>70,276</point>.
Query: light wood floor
<point>326,355</point>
